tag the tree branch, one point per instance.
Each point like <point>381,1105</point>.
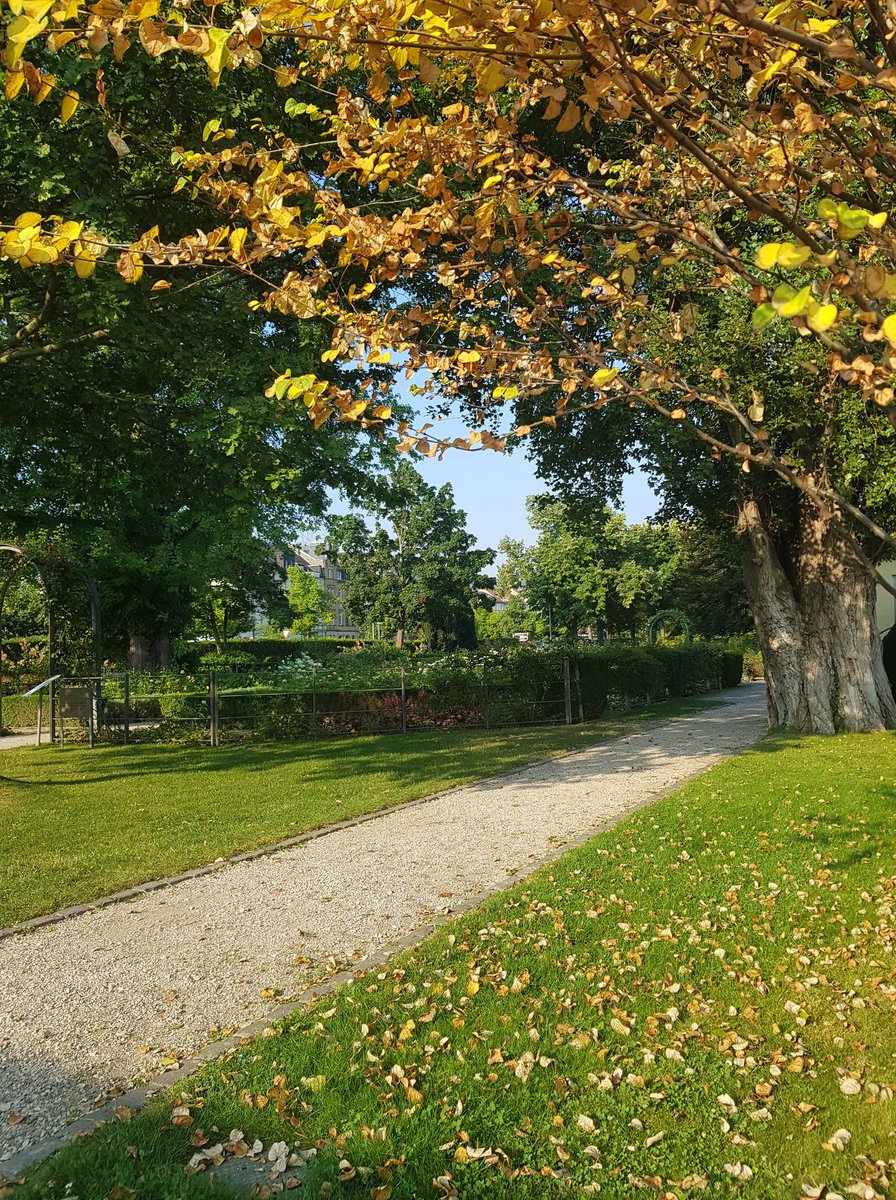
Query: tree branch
<point>8,356</point>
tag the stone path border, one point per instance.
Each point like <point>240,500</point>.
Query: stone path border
<point>576,772</point>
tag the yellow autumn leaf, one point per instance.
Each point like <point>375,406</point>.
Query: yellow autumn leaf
<point>796,305</point>
<point>85,264</point>
<point>601,378</point>
<point>792,257</point>
<point>19,33</point>
<point>68,231</point>
<point>68,106</point>
<point>877,220</point>
<point>888,329</point>
<point>822,318</point>
<point>767,255</point>
<point>218,56</point>
<point>47,83</point>
<point>472,987</point>
<point>13,84</point>
<point>27,220</point>
<point>38,254</point>
<point>492,77</point>
<point>237,239</point>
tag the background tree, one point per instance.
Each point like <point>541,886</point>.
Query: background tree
<point>592,574</point>
<point>245,583</point>
<point>418,571</point>
<point>310,604</point>
<point>500,625</point>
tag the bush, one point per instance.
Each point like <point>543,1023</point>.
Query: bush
<point>191,705</point>
<point>732,668</point>
<point>690,668</point>
<point>20,712</point>
<point>264,651</point>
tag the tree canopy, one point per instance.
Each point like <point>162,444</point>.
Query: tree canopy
<point>535,156</point>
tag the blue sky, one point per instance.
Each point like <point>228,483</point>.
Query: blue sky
<point>492,489</point>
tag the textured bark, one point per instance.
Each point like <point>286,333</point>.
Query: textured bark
<point>149,652</point>
<point>813,607</point>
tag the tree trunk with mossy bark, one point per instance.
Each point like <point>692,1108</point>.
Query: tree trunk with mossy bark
<point>813,603</point>
<point>149,652</point>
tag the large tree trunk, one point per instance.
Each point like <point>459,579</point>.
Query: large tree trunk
<point>149,652</point>
<point>814,609</point>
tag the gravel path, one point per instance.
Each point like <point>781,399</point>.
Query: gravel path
<point>13,741</point>
<point>107,998</point>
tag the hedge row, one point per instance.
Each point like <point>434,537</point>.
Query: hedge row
<point>269,651</point>
<point>516,686</point>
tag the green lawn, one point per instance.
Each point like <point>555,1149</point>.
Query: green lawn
<point>76,824</point>
<point>691,1004</point>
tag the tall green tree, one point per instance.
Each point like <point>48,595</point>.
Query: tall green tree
<point>134,425</point>
<point>599,574</point>
<point>417,571</point>
<point>310,604</point>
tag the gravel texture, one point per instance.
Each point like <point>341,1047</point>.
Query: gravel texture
<point>115,996</point>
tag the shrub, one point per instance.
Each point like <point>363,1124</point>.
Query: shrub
<point>267,651</point>
<point>191,705</point>
<point>732,668</point>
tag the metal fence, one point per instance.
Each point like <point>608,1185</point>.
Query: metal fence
<point>126,708</point>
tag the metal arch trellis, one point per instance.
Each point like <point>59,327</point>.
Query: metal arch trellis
<point>669,615</point>
<point>20,559</point>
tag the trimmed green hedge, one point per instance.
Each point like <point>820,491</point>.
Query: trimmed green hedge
<point>20,712</point>
<point>269,651</point>
<point>359,691</point>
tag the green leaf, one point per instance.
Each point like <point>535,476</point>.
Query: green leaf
<point>763,315</point>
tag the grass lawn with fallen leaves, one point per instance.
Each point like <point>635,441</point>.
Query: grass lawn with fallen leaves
<point>701,1002</point>
<point>77,824</point>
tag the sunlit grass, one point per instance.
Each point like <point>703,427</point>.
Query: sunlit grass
<point>670,1010</point>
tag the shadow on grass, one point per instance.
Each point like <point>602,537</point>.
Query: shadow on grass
<point>423,753</point>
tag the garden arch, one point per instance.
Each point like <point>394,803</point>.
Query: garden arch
<point>669,616</point>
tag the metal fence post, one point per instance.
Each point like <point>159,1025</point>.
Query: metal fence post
<point>486,707</point>
<point>51,700</point>
<point>91,700</point>
<point>579,695</point>
<point>314,702</point>
<point>404,705</point>
<point>40,714</point>
<point>213,707</point>
<point>127,707</point>
<point>567,692</point>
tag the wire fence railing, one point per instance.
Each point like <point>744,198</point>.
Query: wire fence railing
<point>125,708</point>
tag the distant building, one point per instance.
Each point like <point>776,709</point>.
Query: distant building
<point>500,602</point>
<point>333,578</point>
